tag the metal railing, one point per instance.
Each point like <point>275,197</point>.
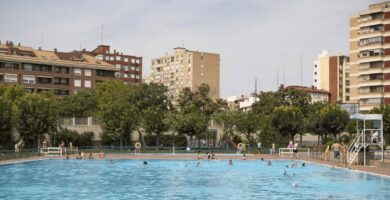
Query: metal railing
<point>289,151</point>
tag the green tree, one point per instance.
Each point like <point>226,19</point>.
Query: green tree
<point>154,106</point>
<point>155,121</point>
<point>287,121</point>
<point>35,115</point>
<point>248,123</point>
<point>333,120</point>
<point>117,112</point>
<point>228,120</point>
<point>82,104</point>
<point>5,119</point>
<point>267,103</point>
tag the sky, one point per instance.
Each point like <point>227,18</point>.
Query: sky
<point>255,38</point>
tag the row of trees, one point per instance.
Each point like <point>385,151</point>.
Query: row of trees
<point>145,108</point>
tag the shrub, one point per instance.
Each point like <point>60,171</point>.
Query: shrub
<point>77,139</point>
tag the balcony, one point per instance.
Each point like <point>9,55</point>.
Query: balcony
<point>372,29</point>
<point>371,53</point>
<point>371,90</point>
<point>371,41</point>
<point>44,80</point>
<point>363,19</point>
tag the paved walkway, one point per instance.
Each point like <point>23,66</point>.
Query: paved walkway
<point>368,169</point>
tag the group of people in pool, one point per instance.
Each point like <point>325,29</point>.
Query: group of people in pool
<point>81,155</point>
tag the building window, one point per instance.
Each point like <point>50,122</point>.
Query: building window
<point>87,72</point>
<point>118,66</point>
<point>126,68</point>
<point>315,66</point>
<point>77,83</point>
<point>99,57</point>
<point>11,78</point>
<point>132,60</point>
<point>111,58</point>
<point>27,67</point>
<point>125,76</point>
<point>315,80</point>
<point>138,61</point>
<point>315,73</point>
<point>61,70</point>
<point>137,76</point>
<point>118,58</point>
<point>126,59</point>
<point>77,71</point>
<point>28,79</point>
<point>87,83</point>
<point>133,68</point>
<point>132,76</point>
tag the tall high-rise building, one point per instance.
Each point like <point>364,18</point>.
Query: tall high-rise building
<point>370,56</point>
<point>331,73</point>
<point>186,68</point>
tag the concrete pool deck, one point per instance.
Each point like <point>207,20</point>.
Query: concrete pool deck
<point>368,169</point>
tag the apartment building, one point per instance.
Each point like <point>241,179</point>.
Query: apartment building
<point>185,68</point>
<point>332,74</point>
<point>130,67</point>
<point>38,70</point>
<point>242,103</point>
<point>370,56</point>
<point>317,95</point>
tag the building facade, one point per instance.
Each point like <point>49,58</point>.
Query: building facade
<point>317,95</point>
<point>130,67</point>
<point>370,56</point>
<point>332,73</point>
<point>242,103</point>
<point>185,68</point>
<point>38,70</point>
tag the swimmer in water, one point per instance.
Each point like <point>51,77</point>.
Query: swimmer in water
<point>197,164</point>
<point>262,159</point>
<point>111,161</point>
<point>230,162</point>
<point>285,172</point>
<point>244,156</point>
<point>145,163</point>
<point>303,164</point>
<point>294,184</point>
<point>269,162</point>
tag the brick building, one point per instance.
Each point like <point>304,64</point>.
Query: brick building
<point>39,70</point>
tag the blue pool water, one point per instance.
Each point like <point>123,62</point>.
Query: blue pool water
<point>173,179</point>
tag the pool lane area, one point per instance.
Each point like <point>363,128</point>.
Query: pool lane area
<point>186,179</point>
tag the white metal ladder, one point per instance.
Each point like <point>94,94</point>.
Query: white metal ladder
<point>355,147</point>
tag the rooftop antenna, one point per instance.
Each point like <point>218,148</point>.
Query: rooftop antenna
<point>80,46</point>
<point>284,76</point>
<point>301,69</point>
<point>101,42</point>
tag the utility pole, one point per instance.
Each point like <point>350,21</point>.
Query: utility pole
<point>255,85</point>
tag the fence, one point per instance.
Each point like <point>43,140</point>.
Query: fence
<point>289,151</point>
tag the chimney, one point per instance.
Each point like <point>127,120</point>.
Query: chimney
<point>114,51</point>
<point>39,48</point>
<point>281,87</point>
<point>55,50</point>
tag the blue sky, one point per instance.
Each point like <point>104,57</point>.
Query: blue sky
<point>254,38</point>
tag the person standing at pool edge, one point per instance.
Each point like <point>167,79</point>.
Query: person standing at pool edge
<point>295,150</point>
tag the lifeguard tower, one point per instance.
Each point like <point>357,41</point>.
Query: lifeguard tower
<point>370,133</point>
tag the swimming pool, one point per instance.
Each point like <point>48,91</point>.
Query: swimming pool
<point>179,179</point>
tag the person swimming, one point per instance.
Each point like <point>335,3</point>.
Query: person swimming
<point>303,164</point>
<point>244,156</point>
<point>262,159</point>
<point>197,164</point>
<point>285,172</point>
<point>269,162</point>
<point>230,162</point>
<point>145,163</point>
